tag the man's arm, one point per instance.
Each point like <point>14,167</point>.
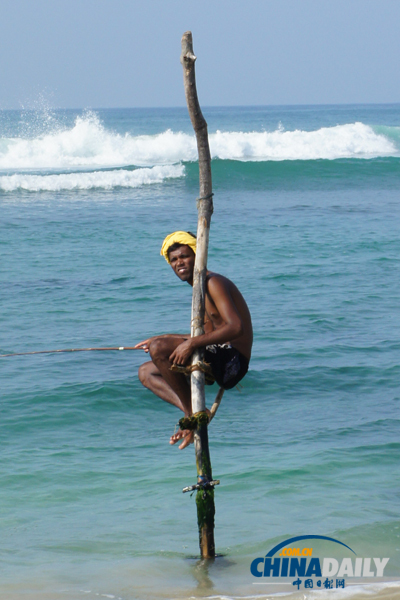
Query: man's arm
<point>231,328</point>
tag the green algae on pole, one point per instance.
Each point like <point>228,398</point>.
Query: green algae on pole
<point>205,493</point>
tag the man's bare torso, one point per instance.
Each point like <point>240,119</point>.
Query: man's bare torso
<point>213,319</point>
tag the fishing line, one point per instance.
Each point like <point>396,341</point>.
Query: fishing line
<point>70,350</point>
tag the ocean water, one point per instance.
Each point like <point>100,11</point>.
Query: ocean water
<point>306,223</point>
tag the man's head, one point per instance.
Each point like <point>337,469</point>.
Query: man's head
<point>176,239</point>
<point>179,249</point>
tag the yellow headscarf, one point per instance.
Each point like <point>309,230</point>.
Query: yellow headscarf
<point>180,237</point>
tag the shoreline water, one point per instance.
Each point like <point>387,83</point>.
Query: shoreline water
<point>131,582</point>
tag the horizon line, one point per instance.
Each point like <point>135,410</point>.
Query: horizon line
<point>205,106</point>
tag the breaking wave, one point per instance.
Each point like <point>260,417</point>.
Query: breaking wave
<point>87,155</point>
<point>343,141</point>
<point>89,144</point>
<point>85,181</point>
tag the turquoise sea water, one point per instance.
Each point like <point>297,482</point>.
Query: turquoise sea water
<point>306,223</point>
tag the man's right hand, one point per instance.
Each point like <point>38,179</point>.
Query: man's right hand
<point>146,343</point>
<point>143,345</point>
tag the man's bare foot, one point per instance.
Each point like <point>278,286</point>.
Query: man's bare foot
<point>182,434</point>
<point>186,435</point>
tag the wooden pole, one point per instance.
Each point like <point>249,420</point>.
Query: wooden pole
<point>205,495</point>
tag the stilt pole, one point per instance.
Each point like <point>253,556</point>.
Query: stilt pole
<point>205,495</point>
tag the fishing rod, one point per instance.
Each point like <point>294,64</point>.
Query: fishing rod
<point>71,350</point>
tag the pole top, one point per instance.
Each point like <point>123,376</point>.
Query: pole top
<point>187,48</point>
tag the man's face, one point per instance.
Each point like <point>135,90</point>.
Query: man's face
<point>182,262</point>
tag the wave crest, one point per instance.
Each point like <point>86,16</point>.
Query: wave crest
<point>343,141</point>
<point>85,181</point>
<point>88,144</point>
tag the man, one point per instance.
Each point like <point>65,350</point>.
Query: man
<point>227,338</point>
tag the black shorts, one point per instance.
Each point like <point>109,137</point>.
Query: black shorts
<point>228,365</point>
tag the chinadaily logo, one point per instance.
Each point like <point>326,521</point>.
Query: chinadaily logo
<point>295,561</point>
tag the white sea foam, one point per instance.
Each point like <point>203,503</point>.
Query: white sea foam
<point>89,145</point>
<point>343,141</point>
<point>86,181</point>
<point>389,590</point>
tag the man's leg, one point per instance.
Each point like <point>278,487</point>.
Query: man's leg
<point>160,350</point>
<point>152,379</point>
<point>167,385</point>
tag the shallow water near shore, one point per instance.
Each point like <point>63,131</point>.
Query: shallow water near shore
<point>306,223</point>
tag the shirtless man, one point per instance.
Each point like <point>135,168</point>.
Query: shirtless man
<point>227,338</point>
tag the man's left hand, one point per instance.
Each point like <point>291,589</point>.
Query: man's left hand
<point>182,353</point>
